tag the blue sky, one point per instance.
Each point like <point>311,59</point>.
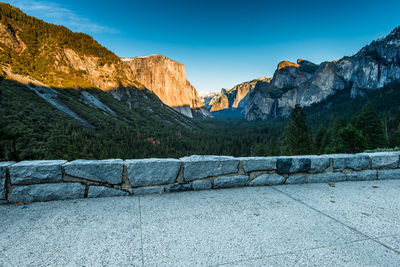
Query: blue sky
<point>223,43</point>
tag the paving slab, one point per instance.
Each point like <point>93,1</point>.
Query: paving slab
<point>85,232</point>
<point>371,207</point>
<point>213,227</point>
<point>341,224</point>
<point>391,241</point>
<point>359,253</point>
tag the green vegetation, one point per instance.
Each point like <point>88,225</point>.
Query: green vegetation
<point>297,138</point>
<point>30,128</point>
<point>39,52</point>
<point>366,122</point>
<point>37,130</point>
<point>370,125</point>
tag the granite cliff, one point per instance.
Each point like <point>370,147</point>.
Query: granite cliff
<point>54,56</point>
<point>166,78</point>
<point>233,102</point>
<point>305,83</point>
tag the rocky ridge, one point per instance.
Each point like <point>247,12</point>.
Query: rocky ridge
<point>234,100</point>
<point>305,83</point>
<point>56,57</point>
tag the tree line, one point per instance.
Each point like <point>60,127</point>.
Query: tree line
<point>365,131</point>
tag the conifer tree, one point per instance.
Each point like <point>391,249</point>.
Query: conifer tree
<point>333,137</point>
<point>371,126</point>
<point>297,138</point>
<point>321,140</point>
<point>352,140</point>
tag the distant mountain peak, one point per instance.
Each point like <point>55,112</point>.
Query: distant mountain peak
<point>395,33</point>
<point>285,64</point>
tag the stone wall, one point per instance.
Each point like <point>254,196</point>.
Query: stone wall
<point>44,180</point>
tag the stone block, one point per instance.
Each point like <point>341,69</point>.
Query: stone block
<point>36,172</point>
<point>197,167</point>
<point>259,164</point>
<point>366,175</point>
<point>147,172</point>
<point>46,192</point>
<point>389,174</point>
<point>296,179</point>
<point>106,171</point>
<point>268,179</point>
<point>178,188</point>
<point>356,162</point>
<point>231,181</point>
<point>102,191</point>
<point>326,177</point>
<point>201,185</point>
<point>319,163</point>
<point>148,190</point>
<point>384,160</point>
<point>3,173</point>
<point>293,164</point>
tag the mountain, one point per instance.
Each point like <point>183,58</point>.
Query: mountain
<point>206,98</point>
<point>167,79</point>
<point>56,57</point>
<point>233,102</point>
<point>63,95</point>
<point>305,83</point>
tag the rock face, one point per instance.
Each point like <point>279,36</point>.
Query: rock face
<point>63,66</point>
<point>233,102</point>
<point>206,98</point>
<point>166,78</point>
<point>305,83</point>
<point>9,38</point>
<point>65,59</point>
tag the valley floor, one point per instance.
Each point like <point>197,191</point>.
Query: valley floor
<point>342,224</point>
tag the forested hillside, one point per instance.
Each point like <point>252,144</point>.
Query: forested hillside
<point>56,56</point>
<point>33,129</point>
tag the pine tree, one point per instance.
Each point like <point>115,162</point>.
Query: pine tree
<point>352,140</point>
<point>333,138</point>
<point>371,126</point>
<point>321,140</point>
<point>297,138</point>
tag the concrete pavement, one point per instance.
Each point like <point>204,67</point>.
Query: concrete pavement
<point>342,224</point>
